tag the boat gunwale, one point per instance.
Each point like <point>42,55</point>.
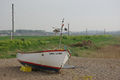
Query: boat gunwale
<point>45,51</point>
<point>41,51</point>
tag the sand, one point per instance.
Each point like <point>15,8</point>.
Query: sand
<point>98,68</point>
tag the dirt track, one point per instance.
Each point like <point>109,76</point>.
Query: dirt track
<point>100,69</point>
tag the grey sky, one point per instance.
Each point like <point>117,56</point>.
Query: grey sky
<point>45,14</point>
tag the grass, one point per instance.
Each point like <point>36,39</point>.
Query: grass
<point>8,48</point>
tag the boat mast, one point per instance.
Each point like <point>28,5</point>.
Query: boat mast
<point>61,33</point>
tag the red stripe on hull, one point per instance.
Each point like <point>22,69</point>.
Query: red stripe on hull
<point>42,51</point>
<point>39,64</point>
<point>69,53</point>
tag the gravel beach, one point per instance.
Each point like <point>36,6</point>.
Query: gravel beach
<point>98,68</point>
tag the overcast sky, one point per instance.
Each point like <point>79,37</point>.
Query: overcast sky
<point>45,14</point>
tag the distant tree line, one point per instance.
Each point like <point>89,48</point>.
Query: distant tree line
<point>44,33</point>
<point>26,32</point>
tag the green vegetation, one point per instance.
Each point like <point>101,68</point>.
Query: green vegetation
<point>8,48</point>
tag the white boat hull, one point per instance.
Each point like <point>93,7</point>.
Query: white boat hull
<point>51,59</point>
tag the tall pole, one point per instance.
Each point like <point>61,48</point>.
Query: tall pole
<point>86,31</point>
<point>68,29</point>
<point>104,31</point>
<point>96,32</point>
<point>61,33</point>
<point>12,33</point>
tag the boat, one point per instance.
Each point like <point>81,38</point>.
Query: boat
<point>48,59</point>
